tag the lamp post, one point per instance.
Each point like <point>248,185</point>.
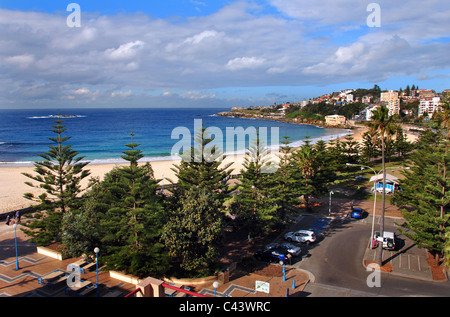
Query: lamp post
<point>96,251</point>
<point>216,286</point>
<point>15,243</point>
<point>329,205</point>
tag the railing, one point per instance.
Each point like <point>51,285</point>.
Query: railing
<point>183,291</point>
<point>138,290</point>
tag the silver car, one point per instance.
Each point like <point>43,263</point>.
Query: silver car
<point>304,236</point>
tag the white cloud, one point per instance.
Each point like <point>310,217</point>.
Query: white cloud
<point>125,51</point>
<point>310,42</point>
<point>122,94</point>
<point>197,95</point>
<point>21,61</point>
<point>241,63</point>
<point>196,39</point>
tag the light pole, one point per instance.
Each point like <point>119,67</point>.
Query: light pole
<point>329,205</point>
<point>374,201</point>
<point>96,251</point>
<point>216,286</point>
<point>15,243</point>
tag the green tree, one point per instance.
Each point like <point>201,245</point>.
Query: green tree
<point>202,166</point>
<point>350,149</point>
<point>426,197</point>
<point>447,248</point>
<point>257,198</point>
<point>194,232</point>
<point>401,144</point>
<point>370,149</point>
<point>384,126</point>
<point>133,218</point>
<point>287,181</point>
<point>81,228</point>
<point>60,174</point>
<point>316,167</point>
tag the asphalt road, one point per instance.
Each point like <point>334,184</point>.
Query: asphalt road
<point>336,263</point>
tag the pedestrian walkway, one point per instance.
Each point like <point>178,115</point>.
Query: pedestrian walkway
<point>292,285</point>
<point>32,266</point>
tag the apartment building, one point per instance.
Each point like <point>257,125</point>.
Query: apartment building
<point>391,100</point>
<point>429,105</point>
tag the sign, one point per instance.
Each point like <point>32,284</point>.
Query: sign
<point>262,287</point>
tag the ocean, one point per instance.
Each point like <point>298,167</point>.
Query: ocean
<point>101,134</point>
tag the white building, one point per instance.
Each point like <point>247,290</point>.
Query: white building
<point>369,112</point>
<point>429,106</point>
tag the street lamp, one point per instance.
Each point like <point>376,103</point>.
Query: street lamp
<point>96,251</point>
<point>216,286</point>
<point>329,205</point>
<point>15,243</point>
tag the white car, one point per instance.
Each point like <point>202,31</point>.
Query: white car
<point>305,236</point>
<point>387,240</point>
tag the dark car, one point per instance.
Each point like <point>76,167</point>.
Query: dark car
<point>278,255</point>
<point>357,213</point>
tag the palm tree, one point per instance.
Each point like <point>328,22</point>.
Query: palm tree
<point>384,126</point>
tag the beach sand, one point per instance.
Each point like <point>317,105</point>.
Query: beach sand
<point>13,187</point>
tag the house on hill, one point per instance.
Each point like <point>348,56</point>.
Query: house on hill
<point>335,120</point>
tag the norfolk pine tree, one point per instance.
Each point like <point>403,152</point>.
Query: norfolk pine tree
<point>258,196</point>
<point>426,195</point>
<point>132,224</point>
<point>202,166</point>
<point>60,175</point>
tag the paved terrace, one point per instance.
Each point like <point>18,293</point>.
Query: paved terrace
<point>32,266</point>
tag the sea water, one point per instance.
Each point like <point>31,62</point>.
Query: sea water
<point>100,135</point>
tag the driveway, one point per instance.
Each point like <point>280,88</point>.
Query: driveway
<point>336,262</point>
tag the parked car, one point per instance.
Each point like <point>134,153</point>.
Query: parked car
<point>292,249</point>
<point>387,240</point>
<point>304,236</point>
<point>358,213</point>
<point>289,247</point>
<point>279,255</point>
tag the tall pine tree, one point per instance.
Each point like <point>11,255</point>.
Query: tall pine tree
<point>201,166</point>
<point>132,224</point>
<point>426,195</point>
<point>60,174</point>
<point>257,200</point>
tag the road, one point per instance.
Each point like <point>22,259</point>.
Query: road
<point>336,263</point>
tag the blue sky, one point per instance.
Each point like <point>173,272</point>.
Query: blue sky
<point>161,9</point>
<point>197,53</point>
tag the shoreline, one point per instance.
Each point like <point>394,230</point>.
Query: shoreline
<point>13,187</point>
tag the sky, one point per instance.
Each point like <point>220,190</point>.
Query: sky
<point>226,53</point>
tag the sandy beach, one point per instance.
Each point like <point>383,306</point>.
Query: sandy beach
<point>13,187</point>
